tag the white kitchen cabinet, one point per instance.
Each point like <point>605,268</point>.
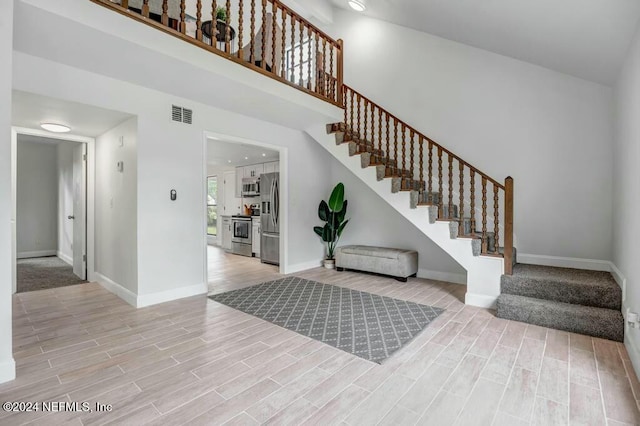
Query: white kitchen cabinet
<point>255,237</point>
<point>239,176</point>
<point>254,170</point>
<point>273,166</point>
<point>226,233</point>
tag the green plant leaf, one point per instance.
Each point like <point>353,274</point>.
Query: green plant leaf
<point>323,211</point>
<point>341,228</point>
<point>337,198</point>
<point>318,230</point>
<point>327,233</point>
<point>342,213</point>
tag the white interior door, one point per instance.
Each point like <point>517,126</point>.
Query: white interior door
<point>79,215</point>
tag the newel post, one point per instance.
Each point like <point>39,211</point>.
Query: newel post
<point>508,225</point>
<point>341,72</point>
<point>125,4</point>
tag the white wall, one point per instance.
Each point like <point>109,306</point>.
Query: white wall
<point>7,365</point>
<point>374,222</point>
<point>551,132</point>
<point>116,200</point>
<point>37,199</point>
<point>65,200</point>
<point>626,193</point>
<point>170,156</point>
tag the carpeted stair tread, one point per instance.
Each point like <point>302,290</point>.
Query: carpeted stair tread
<point>577,286</point>
<point>589,320</point>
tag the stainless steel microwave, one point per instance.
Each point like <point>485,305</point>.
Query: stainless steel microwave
<point>251,187</point>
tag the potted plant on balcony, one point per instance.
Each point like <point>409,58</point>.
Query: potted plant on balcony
<point>333,214</point>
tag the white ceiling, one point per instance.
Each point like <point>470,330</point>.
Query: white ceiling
<point>29,110</point>
<point>584,38</point>
<point>232,154</point>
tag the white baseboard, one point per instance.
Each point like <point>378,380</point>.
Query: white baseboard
<point>117,289</point>
<point>480,300</point>
<point>7,370</point>
<point>292,269</point>
<point>565,262</point>
<point>40,253</point>
<point>173,294</point>
<point>620,279</point>
<point>631,336</point>
<point>64,257</point>
<point>450,277</point>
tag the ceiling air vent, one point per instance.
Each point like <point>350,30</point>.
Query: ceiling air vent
<point>181,115</point>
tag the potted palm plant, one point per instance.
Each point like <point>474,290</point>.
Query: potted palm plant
<point>333,213</point>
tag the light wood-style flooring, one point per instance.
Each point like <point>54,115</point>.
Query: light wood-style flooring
<point>197,362</point>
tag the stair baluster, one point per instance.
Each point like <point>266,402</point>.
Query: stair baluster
<point>227,31</point>
<point>198,20</point>
<point>473,202</point>
<point>145,8</point>
<point>421,155</point>
<point>301,52</point>
<point>450,212</point>
<point>183,16</point>
<point>379,133</point>
<point>411,159</point>
<point>387,153</point>
<point>357,127</point>
<point>496,220</point>
<point>440,198</point>
<point>430,173</point>
<point>364,139</point>
<point>252,45</point>
<point>309,53</point>
<point>351,123</point>
<point>240,27</point>
<point>324,66</point>
<point>332,89</point>
<point>484,216</point>
<point>165,16</point>
<point>395,145</point>
<point>403,131</point>
<point>284,43</point>
<point>461,206</point>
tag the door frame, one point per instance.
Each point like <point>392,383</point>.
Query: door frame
<point>89,194</point>
<point>283,152</point>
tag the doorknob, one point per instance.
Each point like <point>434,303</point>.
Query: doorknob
<point>71,217</point>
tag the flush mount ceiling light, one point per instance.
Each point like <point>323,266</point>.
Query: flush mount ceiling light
<point>357,5</point>
<point>55,128</point>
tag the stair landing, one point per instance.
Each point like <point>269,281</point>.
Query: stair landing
<point>575,300</point>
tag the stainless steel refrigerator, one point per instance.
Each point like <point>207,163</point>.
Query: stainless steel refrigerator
<point>270,218</point>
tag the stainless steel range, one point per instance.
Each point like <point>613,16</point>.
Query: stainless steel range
<point>241,236</point>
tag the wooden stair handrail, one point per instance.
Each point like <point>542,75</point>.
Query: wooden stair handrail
<point>427,138</point>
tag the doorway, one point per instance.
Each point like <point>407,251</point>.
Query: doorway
<point>249,176</point>
<point>50,210</point>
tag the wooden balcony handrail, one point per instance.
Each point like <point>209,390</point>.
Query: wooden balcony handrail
<point>283,46</point>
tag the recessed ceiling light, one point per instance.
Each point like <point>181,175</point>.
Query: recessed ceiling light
<point>357,5</point>
<point>55,128</point>
<point>246,158</point>
<point>228,161</point>
<point>264,155</point>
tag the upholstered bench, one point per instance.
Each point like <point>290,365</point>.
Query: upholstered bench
<point>381,260</point>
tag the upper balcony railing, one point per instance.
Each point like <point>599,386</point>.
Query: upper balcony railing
<point>264,35</point>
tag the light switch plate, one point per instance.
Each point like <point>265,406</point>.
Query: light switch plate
<point>121,141</point>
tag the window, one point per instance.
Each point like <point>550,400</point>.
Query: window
<point>297,59</point>
<point>212,205</point>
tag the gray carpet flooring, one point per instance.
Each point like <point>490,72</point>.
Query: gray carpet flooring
<point>41,273</point>
<point>367,325</point>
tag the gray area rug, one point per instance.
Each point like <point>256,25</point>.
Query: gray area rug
<point>367,325</point>
<point>41,273</point>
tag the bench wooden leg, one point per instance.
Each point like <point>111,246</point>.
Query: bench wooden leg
<point>339,269</point>
<point>402,279</point>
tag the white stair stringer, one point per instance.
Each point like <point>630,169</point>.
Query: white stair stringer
<point>483,272</point>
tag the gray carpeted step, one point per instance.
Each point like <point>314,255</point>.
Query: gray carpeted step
<point>578,286</point>
<point>596,322</point>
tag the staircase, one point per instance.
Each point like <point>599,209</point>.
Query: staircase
<point>575,300</point>
<point>424,186</point>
